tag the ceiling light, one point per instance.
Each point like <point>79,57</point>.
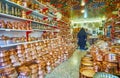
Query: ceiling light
<point>82,11</point>
<point>82,3</point>
<point>85,13</point>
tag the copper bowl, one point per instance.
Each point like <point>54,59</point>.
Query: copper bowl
<point>4,59</point>
<point>24,70</point>
<point>111,57</point>
<point>4,53</point>
<point>5,63</point>
<point>20,51</point>
<point>87,71</point>
<point>9,71</point>
<point>20,47</point>
<point>35,75</point>
<point>86,59</point>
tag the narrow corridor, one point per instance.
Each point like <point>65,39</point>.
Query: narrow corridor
<point>68,69</point>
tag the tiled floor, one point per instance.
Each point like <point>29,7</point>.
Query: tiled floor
<point>68,69</point>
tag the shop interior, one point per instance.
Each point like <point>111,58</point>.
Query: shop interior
<point>39,39</point>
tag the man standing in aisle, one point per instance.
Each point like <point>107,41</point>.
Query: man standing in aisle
<point>82,37</point>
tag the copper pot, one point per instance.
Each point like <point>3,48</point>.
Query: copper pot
<point>112,68</point>
<point>4,59</point>
<point>4,53</point>
<point>5,63</point>
<point>20,55</point>
<point>33,71</point>
<point>111,57</point>
<point>13,52</point>
<point>35,75</point>
<point>20,47</point>
<point>98,57</point>
<point>23,70</point>
<point>98,66</point>
<point>20,51</point>
<point>9,71</point>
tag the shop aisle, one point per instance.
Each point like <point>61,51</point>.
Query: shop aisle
<point>68,69</point>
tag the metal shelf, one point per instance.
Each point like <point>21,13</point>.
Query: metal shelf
<point>51,15</point>
<point>12,3</point>
<point>2,29</point>
<point>42,23</point>
<point>10,45</point>
<point>2,67</point>
<point>20,18</point>
<point>49,7</point>
<point>40,30</point>
<point>14,17</point>
<point>46,30</point>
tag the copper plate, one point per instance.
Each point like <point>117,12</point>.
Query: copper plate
<point>87,71</point>
<point>86,58</point>
<point>87,63</point>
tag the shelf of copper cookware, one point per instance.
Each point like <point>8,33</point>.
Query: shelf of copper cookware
<point>46,6</point>
<point>25,8</point>
<point>10,45</point>
<point>25,19</point>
